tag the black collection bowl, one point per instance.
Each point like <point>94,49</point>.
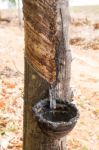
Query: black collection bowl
<point>56,123</point>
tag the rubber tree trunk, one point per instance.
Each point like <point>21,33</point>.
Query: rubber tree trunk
<point>47,62</point>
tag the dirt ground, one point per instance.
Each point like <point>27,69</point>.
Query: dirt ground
<point>84,43</point>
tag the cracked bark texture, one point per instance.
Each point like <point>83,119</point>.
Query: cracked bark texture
<point>47,61</point>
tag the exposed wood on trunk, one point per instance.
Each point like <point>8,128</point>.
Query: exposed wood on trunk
<point>40,30</point>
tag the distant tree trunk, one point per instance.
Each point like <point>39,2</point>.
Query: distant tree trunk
<point>47,61</point>
<point>19,12</point>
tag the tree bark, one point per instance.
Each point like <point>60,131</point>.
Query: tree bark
<point>36,88</point>
<point>47,61</point>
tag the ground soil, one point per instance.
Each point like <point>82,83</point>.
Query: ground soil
<point>84,43</point>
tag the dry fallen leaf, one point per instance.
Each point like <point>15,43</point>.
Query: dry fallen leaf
<point>2,104</point>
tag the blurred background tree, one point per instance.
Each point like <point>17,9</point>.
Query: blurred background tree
<point>11,4</point>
